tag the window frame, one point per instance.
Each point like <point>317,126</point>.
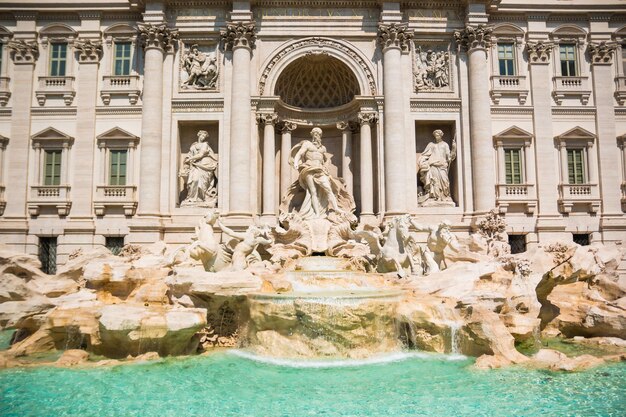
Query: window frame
<point>57,161</point>
<point>520,162</point>
<point>117,165</point>
<point>572,177</point>
<point>52,60</point>
<point>575,60</point>
<point>115,34</point>
<point>51,139</point>
<point>116,139</point>
<point>580,139</point>
<point>512,59</point>
<point>57,33</point>
<point>123,59</point>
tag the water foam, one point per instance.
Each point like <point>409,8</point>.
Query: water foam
<point>343,363</point>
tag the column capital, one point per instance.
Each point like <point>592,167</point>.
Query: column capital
<point>24,52</point>
<point>539,52</point>
<point>158,36</point>
<point>267,118</point>
<point>347,125</point>
<point>89,51</point>
<point>394,35</point>
<point>367,118</point>
<point>287,127</point>
<point>602,53</point>
<point>474,37</point>
<point>239,34</point>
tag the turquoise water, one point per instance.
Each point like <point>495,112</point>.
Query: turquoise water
<point>227,384</point>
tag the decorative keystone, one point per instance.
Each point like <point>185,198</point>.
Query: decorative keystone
<point>240,34</point>
<point>157,36</point>
<point>601,52</point>
<point>539,52</point>
<point>89,51</point>
<point>394,35</point>
<point>24,52</point>
<point>474,37</point>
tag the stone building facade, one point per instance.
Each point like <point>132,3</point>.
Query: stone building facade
<point>101,105</point>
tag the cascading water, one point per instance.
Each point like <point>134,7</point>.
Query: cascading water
<point>333,313</point>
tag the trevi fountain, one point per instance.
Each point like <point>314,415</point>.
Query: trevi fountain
<point>319,314</point>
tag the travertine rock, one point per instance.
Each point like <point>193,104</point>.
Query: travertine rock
<point>72,357</point>
<point>196,281</point>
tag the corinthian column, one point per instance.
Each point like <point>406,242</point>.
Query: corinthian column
<point>285,150</point>
<point>239,38</point>
<point>156,38</point>
<point>346,154</point>
<point>394,39</point>
<point>476,40</point>
<point>267,120</point>
<point>367,171</point>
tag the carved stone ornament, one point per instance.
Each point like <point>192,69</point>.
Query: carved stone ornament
<point>367,118</point>
<point>474,37</point>
<point>539,52</point>
<point>199,69</point>
<point>239,34</point>
<point>157,36</point>
<point>394,35</point>
<point>432,69</point>
<point>286,126</point>
<point>24,52</point>
<point>88,50</point>
<point>602,52</point>
<point>267,118</point>
<point>347,125</point>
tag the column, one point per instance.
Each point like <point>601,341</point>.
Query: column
<point>367,171</point>
<point>89,54</point>
<point>267,120</point>
<point>346,154</point>
<point>605,149</point>
<point>285,151</point>
<point>239,38</point>
<point>539,54</point>
<point>156,38</point>
<point>476,40</point>
<point>394,39</point>
<point>24,55</point>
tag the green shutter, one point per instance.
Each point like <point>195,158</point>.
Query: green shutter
<point>513,166</point>
<point>575,167</point>
<point>117,168</point>
<point>52,170</point>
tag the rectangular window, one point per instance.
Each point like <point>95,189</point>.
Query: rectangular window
<point>48,254</point>
<point>114,244</point>
<point>517,243</point>
<point>575,166</point>
<point>567,54</point>
<point>117,167</point>
<point>58,59</point>
<point>52,167</point>
<point>513,166</point>
<point>581,238</point>
<point>121,62</point>
<point>506,58</point>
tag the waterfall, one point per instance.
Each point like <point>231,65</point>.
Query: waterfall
<point>454,339</point>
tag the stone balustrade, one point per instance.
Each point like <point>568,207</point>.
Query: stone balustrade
<point>509,85</point>
<point>571,86</point>
<point>56,86</point>
<point>123,85</point>
<point>57,196</point>
<point>520,194</point>
<point>582,194</point>
<point>120,196</point>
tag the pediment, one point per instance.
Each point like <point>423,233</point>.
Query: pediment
<point>577,133</point>
<point>51,133</point>
<point>507,29</point>
<point>116,133</point>
<point>57,29</point>
<point>514,132</point>
<point>120,29</point>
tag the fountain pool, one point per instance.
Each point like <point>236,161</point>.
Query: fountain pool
<point>232,383</point>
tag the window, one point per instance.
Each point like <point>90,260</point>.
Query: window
<point>121,63</point>
<point>513,166</point>
<point>506,58</point>
<point>114,244</point>
<point>52,169</point>
<point>58,59</point>
<point>517,243</point>
<point>576,166</point>
<point>581,238</point>
<point>48,254</point>
<point>117,166</point>
<point>567,54</point>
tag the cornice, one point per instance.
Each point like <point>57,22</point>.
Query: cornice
<point>193,106</point>
<point>509,110</point>
<point>118,110</point>
<point>573,111</point>
<point>438,105</point>
<point>53,111</point>
<point>5,112</point>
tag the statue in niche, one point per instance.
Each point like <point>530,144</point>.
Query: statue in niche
<point>201,69</point>
<point>199,173</point>
<point>433,167</point>
<point>432,69</point>
<point>316,194</point>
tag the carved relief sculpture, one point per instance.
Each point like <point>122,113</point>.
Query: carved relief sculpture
<point>89,50</point>
<point>199,173</point>
<point>200,69</point>
<point>539,52</point>
<point>316,192</point>
<point>602,52</point>
<point>433,167</point>
<point>24,51</point>
<point>432,69</point>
